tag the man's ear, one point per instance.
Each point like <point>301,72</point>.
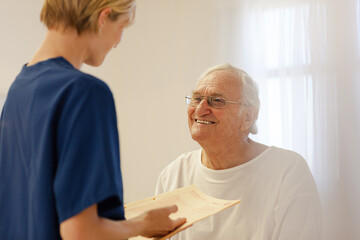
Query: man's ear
<point>102,17</point>
<point>250,116</point>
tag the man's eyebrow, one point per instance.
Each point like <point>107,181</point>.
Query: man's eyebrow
<point>216,94</point>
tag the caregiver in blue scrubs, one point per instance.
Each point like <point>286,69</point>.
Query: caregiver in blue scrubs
<point>60,174</point>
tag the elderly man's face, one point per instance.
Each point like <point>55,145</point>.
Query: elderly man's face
<point>209,124</point>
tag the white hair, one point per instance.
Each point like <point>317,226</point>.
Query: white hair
<point>249,89</point>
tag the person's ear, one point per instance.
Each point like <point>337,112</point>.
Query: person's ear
<point>102,17</point>
<point>250,115</point>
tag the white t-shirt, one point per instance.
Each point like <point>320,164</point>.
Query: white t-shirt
<point>279,198</point>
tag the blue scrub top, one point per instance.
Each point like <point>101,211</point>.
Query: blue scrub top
<point>59,151</point>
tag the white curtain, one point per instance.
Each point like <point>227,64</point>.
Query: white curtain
<point>304,54</point>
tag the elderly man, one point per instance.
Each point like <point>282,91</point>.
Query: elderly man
<point>279,196</point>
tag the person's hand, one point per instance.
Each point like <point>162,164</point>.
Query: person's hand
<point>88,225</point>
<point>157,222</point>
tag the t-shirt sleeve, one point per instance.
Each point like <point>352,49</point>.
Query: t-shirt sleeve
<point>298,211</point>
<point>159,186</point>
<point>88,159</point>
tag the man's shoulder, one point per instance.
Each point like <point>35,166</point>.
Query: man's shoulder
<point>283,154</point>
<point>182,163</point>
<point>180,172</point>
<point>183,160</point>
<point>289,160</point>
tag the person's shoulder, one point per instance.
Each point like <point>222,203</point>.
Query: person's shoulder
<point>180,172</point>
<point>286,153</point>
<point>183,161</point>
<point>58,73</point>
<point>66,74</point>
<point>84,80</point>
<point>80,85</point>
<point>287,158</point>
<point>295,172</point>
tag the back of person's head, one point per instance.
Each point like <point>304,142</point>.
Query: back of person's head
<point>82,15</point>
<point>249,89</point>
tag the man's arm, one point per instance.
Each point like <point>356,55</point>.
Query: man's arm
<point>88,225</point>
<point>298,209</point>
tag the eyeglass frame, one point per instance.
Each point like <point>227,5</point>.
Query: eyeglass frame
<point>189,98</point>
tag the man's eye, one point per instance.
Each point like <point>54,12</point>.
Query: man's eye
<point>218,100</point>
<point>197,98</point>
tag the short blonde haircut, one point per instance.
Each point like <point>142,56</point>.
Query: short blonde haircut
<point>82,15</point>
<point>249,90</point>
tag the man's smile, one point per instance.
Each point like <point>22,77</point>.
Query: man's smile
<point>204,122</point>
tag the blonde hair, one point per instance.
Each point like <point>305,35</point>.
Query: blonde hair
<point>82,15</point>
<point>249,90</point>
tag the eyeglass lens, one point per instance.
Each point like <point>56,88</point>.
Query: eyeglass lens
<point>213,101</point>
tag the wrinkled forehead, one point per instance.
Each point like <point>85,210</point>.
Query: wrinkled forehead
<point>220,82</point>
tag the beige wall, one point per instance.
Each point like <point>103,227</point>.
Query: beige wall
<point>21,34</point>
<point>150,73</point>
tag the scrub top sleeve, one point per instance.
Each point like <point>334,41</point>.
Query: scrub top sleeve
<point>88,161</point>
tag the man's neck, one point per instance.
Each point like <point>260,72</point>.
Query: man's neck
<point>225,156</point>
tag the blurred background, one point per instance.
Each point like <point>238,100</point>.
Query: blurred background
<point>304,54</point>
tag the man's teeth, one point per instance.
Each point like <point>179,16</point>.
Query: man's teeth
<point>204,122</point>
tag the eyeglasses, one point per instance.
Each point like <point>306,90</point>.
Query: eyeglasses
<point>213,101</point>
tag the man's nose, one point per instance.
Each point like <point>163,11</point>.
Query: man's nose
<point>203,107</point>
